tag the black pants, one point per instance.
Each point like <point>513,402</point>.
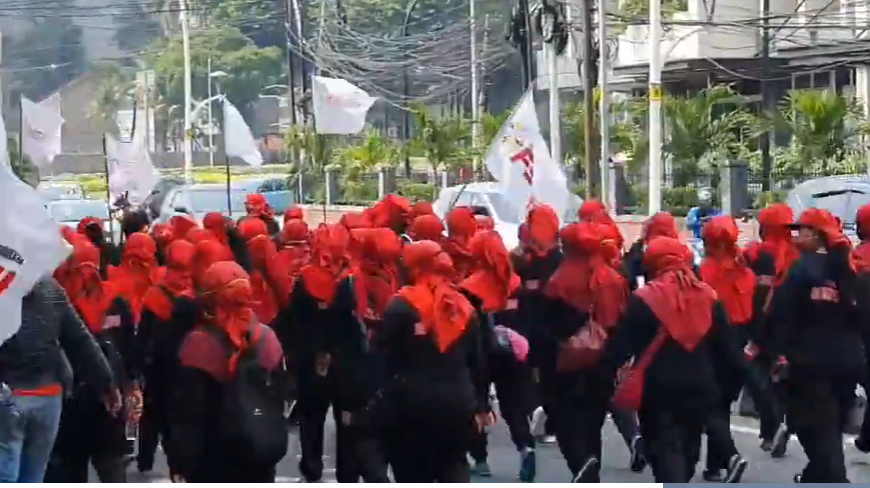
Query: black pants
<point>222,472</point>
<point>426,454</point>
<point>672,438</point>
<point>626,424</point>
<point>816,412</point>
<point>720,443</point>
<point>153,431</point>
<point>578,422</point>
<point>514,408</point>
<point>68,468</point>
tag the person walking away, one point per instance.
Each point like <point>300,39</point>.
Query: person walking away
<point>815,330</point>
<point>226,420</point>
<point>435,395</point>
<point>92,228</point>
<point>461,227</point>
<point>169,313</point>
<point>491,289</point>
<point>427,228</point>
<point>770,259</point>
<point>295,251</point>
<point>258,207</point>
<point>661,224</point>
<point>585,299</point>
<point>137,272</point>
<point>680,337</point>
<point>89,434</point>
<point>861,258</point>
<point>34,372</point>
<point>725,270</point>
<point>270,281</point>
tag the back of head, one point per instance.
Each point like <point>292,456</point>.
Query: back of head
<point>133,221</point>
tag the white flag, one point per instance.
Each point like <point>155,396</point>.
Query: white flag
<point>131,171</point>
<point>31,245</point>
<point>340,107</point>
<point>518,158</point>
<point>238,140</point>
<point>41,130</point>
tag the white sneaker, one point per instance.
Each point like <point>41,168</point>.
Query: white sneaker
<point>539,418</point>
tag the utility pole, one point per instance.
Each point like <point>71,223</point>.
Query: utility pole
<point>608,192</point>
<point>655,106</point>
<point>766,99</point>
<point>188,123</point>
<point>475,93</point>
<point>211,121</point>
<point>589,102</point>
<point>484,48</point>
<point>550,20</point>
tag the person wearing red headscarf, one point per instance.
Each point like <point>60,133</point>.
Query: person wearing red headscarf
<point>861,260</point>
<point>181,225</point>
<point>662,224</point>
<point>88,433</point>
<point>725,270</point>
<point>137,272</point>
<point>392,211</point>
<point>92,228</point>
<point>295,251</point>
<point>484,222</point>
<point>594,211</point>
<point>427,228</point>
<point>679,332</point>
<point>169,313</point>
<point>258,207</point>
<point>293,212</point>
<point>209,449</point>
<point>418,209</point>
<point>270,282</point>
<point>162,235</point>
<point>492,288</point>
<point>585,295</point>
<point>218,225</point>
<point>323,328</point>
<point>461,227</point>
<point>815,332</point>
<point>207,253</point>
<point>437,381</point>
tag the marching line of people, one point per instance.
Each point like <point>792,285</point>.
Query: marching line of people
<point>198,338</point>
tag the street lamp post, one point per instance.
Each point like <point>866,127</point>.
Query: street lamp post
<point>406,129</point>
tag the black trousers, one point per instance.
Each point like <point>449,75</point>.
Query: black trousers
<point>223,472</point>
<point>720,443</point>
<point>626,424</point>
<point>672,438</point>
<point>153,431</point>
<point>514,408</point>
<point>817,409</point>
<point>70,468</point>
<point>429,453</point>
<point>578,422</point>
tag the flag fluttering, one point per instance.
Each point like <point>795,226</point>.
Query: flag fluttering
<point>41,125</point>
<point>238,140</point>
<point>340,107</point>
<point>131,171</point>
<point>519,159</point>
<point>31,245</point>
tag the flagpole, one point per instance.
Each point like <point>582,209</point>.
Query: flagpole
<point>108,190</point>
<point>228,176</point>
<point>20,136</point>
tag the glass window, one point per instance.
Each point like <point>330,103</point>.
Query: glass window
<point>504,209</point>
<point>842,203</point>
<point>204,201</point>
<point>74,211</point>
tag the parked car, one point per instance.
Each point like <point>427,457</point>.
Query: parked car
<point>275,188</point>
<point>154,202</point>
<point>840,195</point>
<point>70,212</point>
<point>53,190</point>
<point>199,200</point>
<point>487,199</point>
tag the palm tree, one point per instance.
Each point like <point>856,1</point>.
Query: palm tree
<point>710,125</point>
<point>490,125</point>
<point>372,152</point>
<point>824,125</point>
<point>444,140</point>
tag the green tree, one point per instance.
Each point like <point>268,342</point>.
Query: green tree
<point>113,94</point>
<point>260,20</point>
<point>373,151</point>
<point>248,67</point>
<point>22,167</point>
<point>711,125</point>
<point>490,125</point>
<point>824,126</point>
<point>446,141</point>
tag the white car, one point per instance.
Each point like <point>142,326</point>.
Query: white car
<point>487,199</point>
<point>201,199</point>
<point>70,212</point>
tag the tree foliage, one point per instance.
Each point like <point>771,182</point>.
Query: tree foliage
<point>262,21</point>
<point>113,94</point>
<point>374,150</point>
<point>445,141</point>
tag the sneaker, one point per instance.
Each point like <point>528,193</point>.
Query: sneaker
<point>481,469</point>
<point>590,463</point>
<point>539,418</point>
<point>780,441</point>
<point>736,467</point>
<point>548,440</point>
<point>862,444</point>
<point>797,478</point>
<point>638,460</point>
<point>767,445</point>
<point>528,466</point>
<point>713,475</point>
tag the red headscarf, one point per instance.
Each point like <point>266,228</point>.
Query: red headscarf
<point>492,278</point>
<point>295,252</point>
<point>196,235</point>
<point>379,269</point>
<point>330,263</point>
<point>355,220</point>
<point>90,296</point>
<point>181,225</point>
<point>682,303</point>
<point>443,310</point>
<point>427,228</point>
<point>162,234</point>
<point>293,212</point>
<point>217,225</point>
<point>584,278</point>
<point>461,227</point>
<point>776,238</point>
<point>269,281</point>
<point>207,254</point>
<point>229,300</point>
<point>87,222</point>
<point>661,224</point>
<point>393,212</point>
<point>256,205</point>
<point>177,282</point>
<point>484,222</point>
<point>137,272</point>
<point>725,270</point>
<point>594,211</point>
<point>421,208</point>
<point>861,255</point>
<point>251,228</point>
<point>543,226</point>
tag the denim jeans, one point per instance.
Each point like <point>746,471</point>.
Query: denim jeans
<point>27,432</point>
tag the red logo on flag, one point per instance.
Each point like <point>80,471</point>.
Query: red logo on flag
<point>6,279</point>
<point>526,157</point>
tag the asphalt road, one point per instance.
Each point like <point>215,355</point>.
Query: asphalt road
<point>551,467</point>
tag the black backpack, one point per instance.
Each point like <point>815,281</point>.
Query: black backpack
<point>252,419</point>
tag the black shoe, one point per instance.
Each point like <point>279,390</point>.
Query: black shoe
<point>862,444</point>
<point>638,460</point>
<point>767,445</point>
<point>736,467</point>
<point>590,463</point>
<point>481,469</point>
<point>528,466</point>
<point>713,475</point>
<point>780,442</point>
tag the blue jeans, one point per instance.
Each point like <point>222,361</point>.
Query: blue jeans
<point>27,432</point>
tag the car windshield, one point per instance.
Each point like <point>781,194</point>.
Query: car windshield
<point>74,211</point>
<point>842,203</point>
<point>504,208</point>
<point>215,200</point>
